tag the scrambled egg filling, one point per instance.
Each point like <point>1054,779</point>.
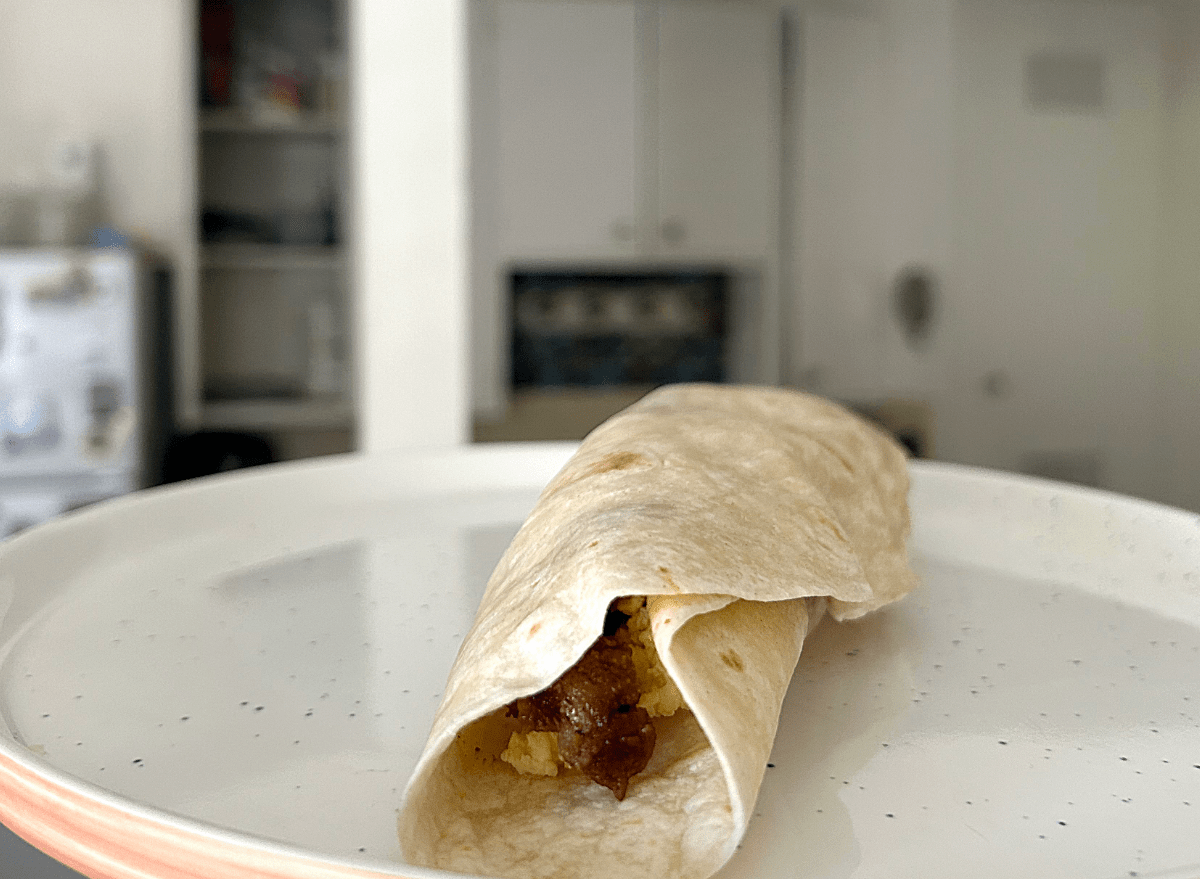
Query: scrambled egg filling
<point>536,753</point>
<point>532,753</point>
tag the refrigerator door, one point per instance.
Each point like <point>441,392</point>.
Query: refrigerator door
<point>70,362</point>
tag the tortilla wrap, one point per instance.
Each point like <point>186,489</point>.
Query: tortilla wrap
<point>743,514</point>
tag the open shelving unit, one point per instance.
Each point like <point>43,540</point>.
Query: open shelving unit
<point>272,346</point>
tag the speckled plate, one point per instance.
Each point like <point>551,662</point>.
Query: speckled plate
<point>233,679</point>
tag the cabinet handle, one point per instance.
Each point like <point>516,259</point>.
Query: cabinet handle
<point>673,231</point>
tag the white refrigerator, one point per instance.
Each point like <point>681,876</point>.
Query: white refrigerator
<point>84,390</point>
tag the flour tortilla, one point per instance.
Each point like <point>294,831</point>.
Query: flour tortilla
<point>743,514</point>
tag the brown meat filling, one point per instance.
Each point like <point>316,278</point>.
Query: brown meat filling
<point>594,710</point>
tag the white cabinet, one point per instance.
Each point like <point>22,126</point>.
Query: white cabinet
<point>566,140</point>
<point>630,135</point>
<point>717,130</point>
<point>625,130</point>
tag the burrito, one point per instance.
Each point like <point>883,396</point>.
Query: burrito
<point>614,705</point>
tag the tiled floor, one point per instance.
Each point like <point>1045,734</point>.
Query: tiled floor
<point>19,860</point>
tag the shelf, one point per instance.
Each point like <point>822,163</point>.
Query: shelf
<point>266,414</point>
<point>306,124</point>
<point>271,257</point>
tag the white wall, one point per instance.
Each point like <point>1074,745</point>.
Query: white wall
<point>1055,272</point>
<point>874,191</point>
<point>1042,227</point>
<point>118,72</point>
<point>489,318</point>
<point>1180,316</point>
<point>110,71</point>
<point>409,226</point>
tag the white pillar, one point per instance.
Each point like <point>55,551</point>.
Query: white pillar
<point>409,222</point>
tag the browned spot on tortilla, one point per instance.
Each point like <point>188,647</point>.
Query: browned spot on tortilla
<point>533,629</point>
<point>607,464</point>
<point>731,659</point>
<point>665,573</point>
<point>615,461</point>
<point>836,453</point>
<point>593,543</point>
<point>833,526</point>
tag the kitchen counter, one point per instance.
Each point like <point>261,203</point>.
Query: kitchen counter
<point>557,413</point>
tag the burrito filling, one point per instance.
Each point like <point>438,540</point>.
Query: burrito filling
<point>598,716</point>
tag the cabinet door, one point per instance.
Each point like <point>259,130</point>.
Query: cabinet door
<point>1051,350</point>
<point>718,129</point>
<point>568,105</point>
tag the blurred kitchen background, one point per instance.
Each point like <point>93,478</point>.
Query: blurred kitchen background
<point>977,221</point>
<point>240,231</point>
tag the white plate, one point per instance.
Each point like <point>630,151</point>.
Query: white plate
<point>234,679</point>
